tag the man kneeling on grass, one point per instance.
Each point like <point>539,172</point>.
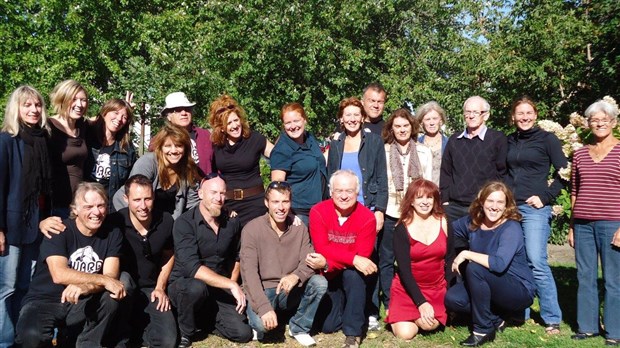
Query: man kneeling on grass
<point>275,275</point>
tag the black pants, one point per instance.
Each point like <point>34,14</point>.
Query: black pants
<point>484,294</point>
<point>37,320</point>
<point>190,296</point>
<point>454,211</point>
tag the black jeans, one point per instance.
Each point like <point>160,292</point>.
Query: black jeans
<point>342,306</point>
<point>190,296</point>
<point>454,211</point>
<point>484,294</point>
<point>37,320</point>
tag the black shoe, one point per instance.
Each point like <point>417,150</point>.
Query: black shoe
<point>583,335</point>
<point>501,327</point>
<point>477,340</point>
<point>186,342</point>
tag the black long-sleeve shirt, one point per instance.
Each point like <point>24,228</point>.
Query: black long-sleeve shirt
<point>196,244</point>
<point>530,156</point>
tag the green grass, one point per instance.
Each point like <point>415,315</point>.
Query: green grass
<point>530,334</point>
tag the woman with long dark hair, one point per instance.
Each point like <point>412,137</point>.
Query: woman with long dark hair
<point>111,154</point>
<point>171,169</point>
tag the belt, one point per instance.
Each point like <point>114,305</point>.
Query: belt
<point>240,194</point>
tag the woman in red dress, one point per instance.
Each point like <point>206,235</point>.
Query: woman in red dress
<point>419,286</point>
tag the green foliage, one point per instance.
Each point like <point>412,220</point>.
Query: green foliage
<point>317,52</point>
<point>561,222</point>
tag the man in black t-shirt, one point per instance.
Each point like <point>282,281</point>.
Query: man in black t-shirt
<point>146,261</point>
<point>76,279</point>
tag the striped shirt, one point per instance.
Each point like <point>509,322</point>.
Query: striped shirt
<point>596,186</point>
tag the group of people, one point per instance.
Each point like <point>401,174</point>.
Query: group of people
<point>187,239</point>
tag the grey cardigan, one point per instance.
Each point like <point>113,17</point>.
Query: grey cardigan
<point>187,195</point>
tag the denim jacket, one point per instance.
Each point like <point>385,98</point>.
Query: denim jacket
<point>121,163</point>
<point>371,157</point>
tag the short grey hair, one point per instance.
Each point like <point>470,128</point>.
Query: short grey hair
<point>83,188</point>
<point>487,106</point>
<point>602,106</point>
<point>428,107</point>
<point>344,172</point>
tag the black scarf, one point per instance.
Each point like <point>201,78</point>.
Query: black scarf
<point>36,167</point>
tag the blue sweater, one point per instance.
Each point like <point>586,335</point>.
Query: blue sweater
<point>504,245</point>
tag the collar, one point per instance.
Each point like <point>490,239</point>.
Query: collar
<point>157,218</point>
<point>481,134</point>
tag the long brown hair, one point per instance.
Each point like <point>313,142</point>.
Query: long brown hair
<point>186,169</point>
<point>220,110</point>
<point>388,134</point>
<point>122,136</point>
<point>476,209</point>
<point>418,188</point>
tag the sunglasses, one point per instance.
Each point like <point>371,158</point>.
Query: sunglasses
<point>279,184</point>
<point>211,176</point>
<point>224,108</point>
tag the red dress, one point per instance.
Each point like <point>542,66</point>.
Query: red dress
<point>427,267</point>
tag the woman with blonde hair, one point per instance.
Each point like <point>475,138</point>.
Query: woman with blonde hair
<point>432,117</point>
<point>25,189</point>
<point>68,149</point>
<point>236,155</point>
<point>492,260</point>
<point>111,154</point>
<point>171,169</point>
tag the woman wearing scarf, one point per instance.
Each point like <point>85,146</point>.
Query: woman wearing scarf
<point>25,177</point>
<point>399,135</point>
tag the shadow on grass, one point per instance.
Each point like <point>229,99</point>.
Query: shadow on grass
<point>566,282</point>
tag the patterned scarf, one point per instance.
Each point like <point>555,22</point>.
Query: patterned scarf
<point>396,165</point>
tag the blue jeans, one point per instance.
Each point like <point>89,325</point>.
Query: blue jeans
<point>593,238</point>
<point>536,226</point>
<point>16,267</point>
<point>306,299</point>
<point>386,259</point>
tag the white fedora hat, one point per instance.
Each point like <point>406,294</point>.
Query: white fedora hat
<point>176,100</point>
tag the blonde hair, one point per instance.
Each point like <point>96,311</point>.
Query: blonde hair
<point>81,191</point>
<point>11,114</point>
<point>62,96</point>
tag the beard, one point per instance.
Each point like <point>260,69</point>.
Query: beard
<point>214,211</point>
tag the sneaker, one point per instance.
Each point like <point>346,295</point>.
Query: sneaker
<point>254,335</point>
<point>373,324</point>
<point>351,342</point>
<point>303,338</point>
<point>186,342</point>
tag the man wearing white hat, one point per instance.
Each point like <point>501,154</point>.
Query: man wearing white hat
<point>178,111</point>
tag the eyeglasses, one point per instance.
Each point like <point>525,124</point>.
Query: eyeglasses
<point>181,108</point>
<point>146,247</point>
<point>210,176</point>
<point>224,108</point>
<point>474,113</point>
<point>274,185</point>
<point>602,122</point>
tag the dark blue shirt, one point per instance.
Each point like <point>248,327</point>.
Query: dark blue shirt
<point>504,245</point>
<point>305,168</point>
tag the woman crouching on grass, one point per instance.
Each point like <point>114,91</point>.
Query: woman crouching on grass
<point>420,240</point>
<point>496,275</point>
